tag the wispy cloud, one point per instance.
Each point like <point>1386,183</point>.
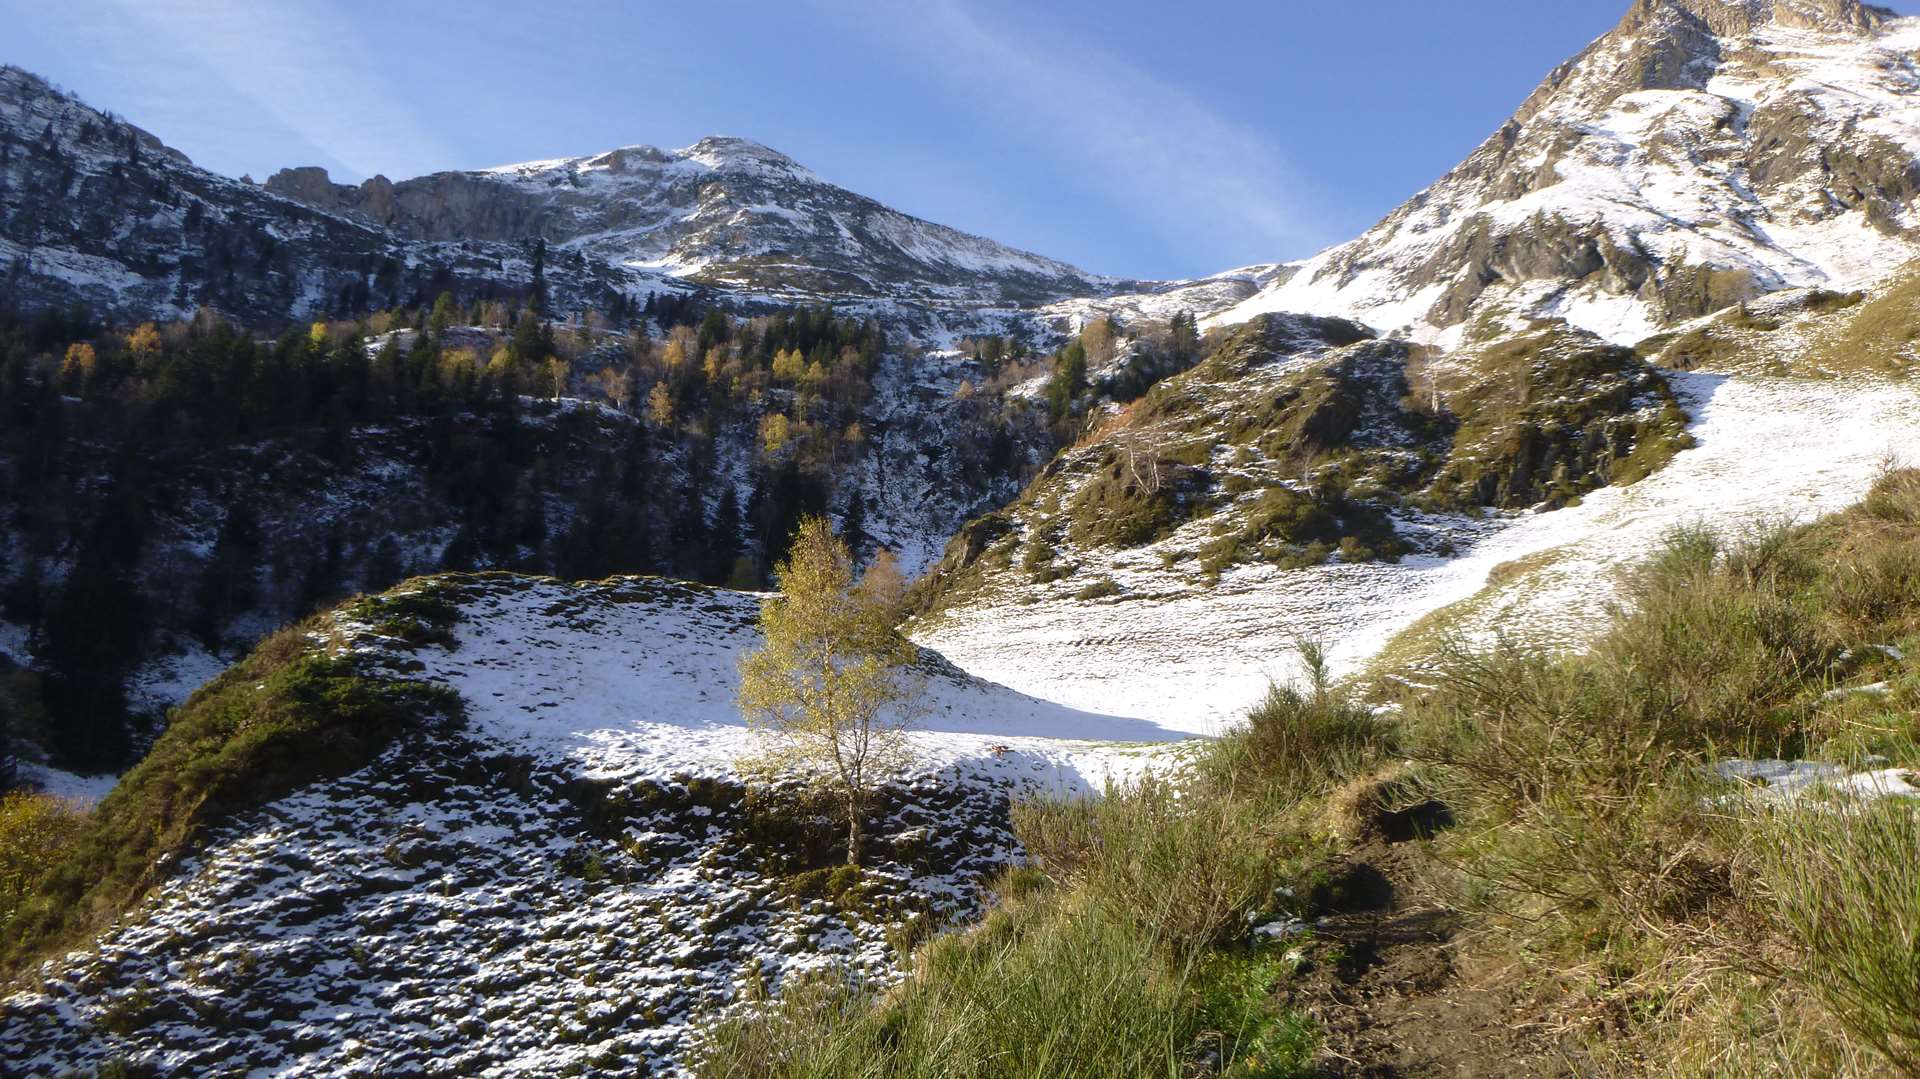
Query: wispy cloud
<point>1179,166</point>
<point>297,63</point>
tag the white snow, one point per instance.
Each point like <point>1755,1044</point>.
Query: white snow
<point>637,679</point>
<point>1192,658</point>
<point>79,789</point>
<point>1797,782</point>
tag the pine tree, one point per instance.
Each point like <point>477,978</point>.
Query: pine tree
<point>723,541</point>
<point>690,532</point>
<point>1184,335</point>
<point>229,585</point>
<point>529,339</point>
<point>462,553</point>
<point>385,565</point>
<point>323,580</point>
<point>1069,381</point>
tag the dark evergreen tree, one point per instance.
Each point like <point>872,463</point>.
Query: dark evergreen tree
<point>690,531</point>
<point>537,292</point>
<point>532,339</point>
<point>853,526</point>
<point>385,565</point>
<point>92,637</point>
<point>1069,381</point>
<point>1184,336</point>
<point>723,541</point>
<point>324,579</point>
<point>462,553</point>
<point>229,585</point>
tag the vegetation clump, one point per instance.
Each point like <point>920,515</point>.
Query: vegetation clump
<point>1122,949</point>
<point>1132,499</point>
<point>1551,415</point>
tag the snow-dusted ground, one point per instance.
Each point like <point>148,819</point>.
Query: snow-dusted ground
<point>84,790</point>
<point>566,883</point>
<point>1192,658</point>
<point>635,679</point>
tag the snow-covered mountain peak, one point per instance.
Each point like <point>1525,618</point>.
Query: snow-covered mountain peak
<point>726,152</point>
<point>724,211</point>
<point>712,154</point>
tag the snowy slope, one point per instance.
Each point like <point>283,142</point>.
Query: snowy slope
<point>1701,153</point>
<point>1179,653</point>
<point>565,882</point>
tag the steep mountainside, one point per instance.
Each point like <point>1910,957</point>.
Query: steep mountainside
<point>93,210</point>
<point>1702,153</point>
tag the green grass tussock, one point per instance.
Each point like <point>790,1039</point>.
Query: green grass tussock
<point>1846,885</point>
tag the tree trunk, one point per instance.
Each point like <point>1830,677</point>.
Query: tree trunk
<point>853,829</point>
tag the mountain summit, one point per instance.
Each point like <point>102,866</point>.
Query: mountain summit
<point>1744,16</point>
<point>1700,154</point>
<point>724,211</point>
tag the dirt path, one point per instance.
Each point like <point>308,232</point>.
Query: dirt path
<point>1384,985</point>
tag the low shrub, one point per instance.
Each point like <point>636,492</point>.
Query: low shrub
<point>36,830</point>
<point>1298,740</point>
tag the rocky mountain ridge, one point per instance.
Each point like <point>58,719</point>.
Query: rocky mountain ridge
<point>97,212</point>
<point>725,211</point>
<point>1700,154</point>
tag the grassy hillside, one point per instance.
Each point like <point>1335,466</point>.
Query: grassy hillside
<point>298,709</point>
<point>1297,440</point>
<point>1532,864</point>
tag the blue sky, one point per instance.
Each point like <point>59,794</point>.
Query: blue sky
<point>1130,137</point>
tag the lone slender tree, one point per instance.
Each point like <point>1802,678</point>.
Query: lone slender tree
<point>833,690</point>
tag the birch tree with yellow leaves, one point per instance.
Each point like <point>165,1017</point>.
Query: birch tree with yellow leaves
<point>833,690</point>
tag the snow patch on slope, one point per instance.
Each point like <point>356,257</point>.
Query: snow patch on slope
<point>1189,657</point>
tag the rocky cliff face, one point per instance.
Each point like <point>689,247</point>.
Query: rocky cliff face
<point>1702,153</point>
